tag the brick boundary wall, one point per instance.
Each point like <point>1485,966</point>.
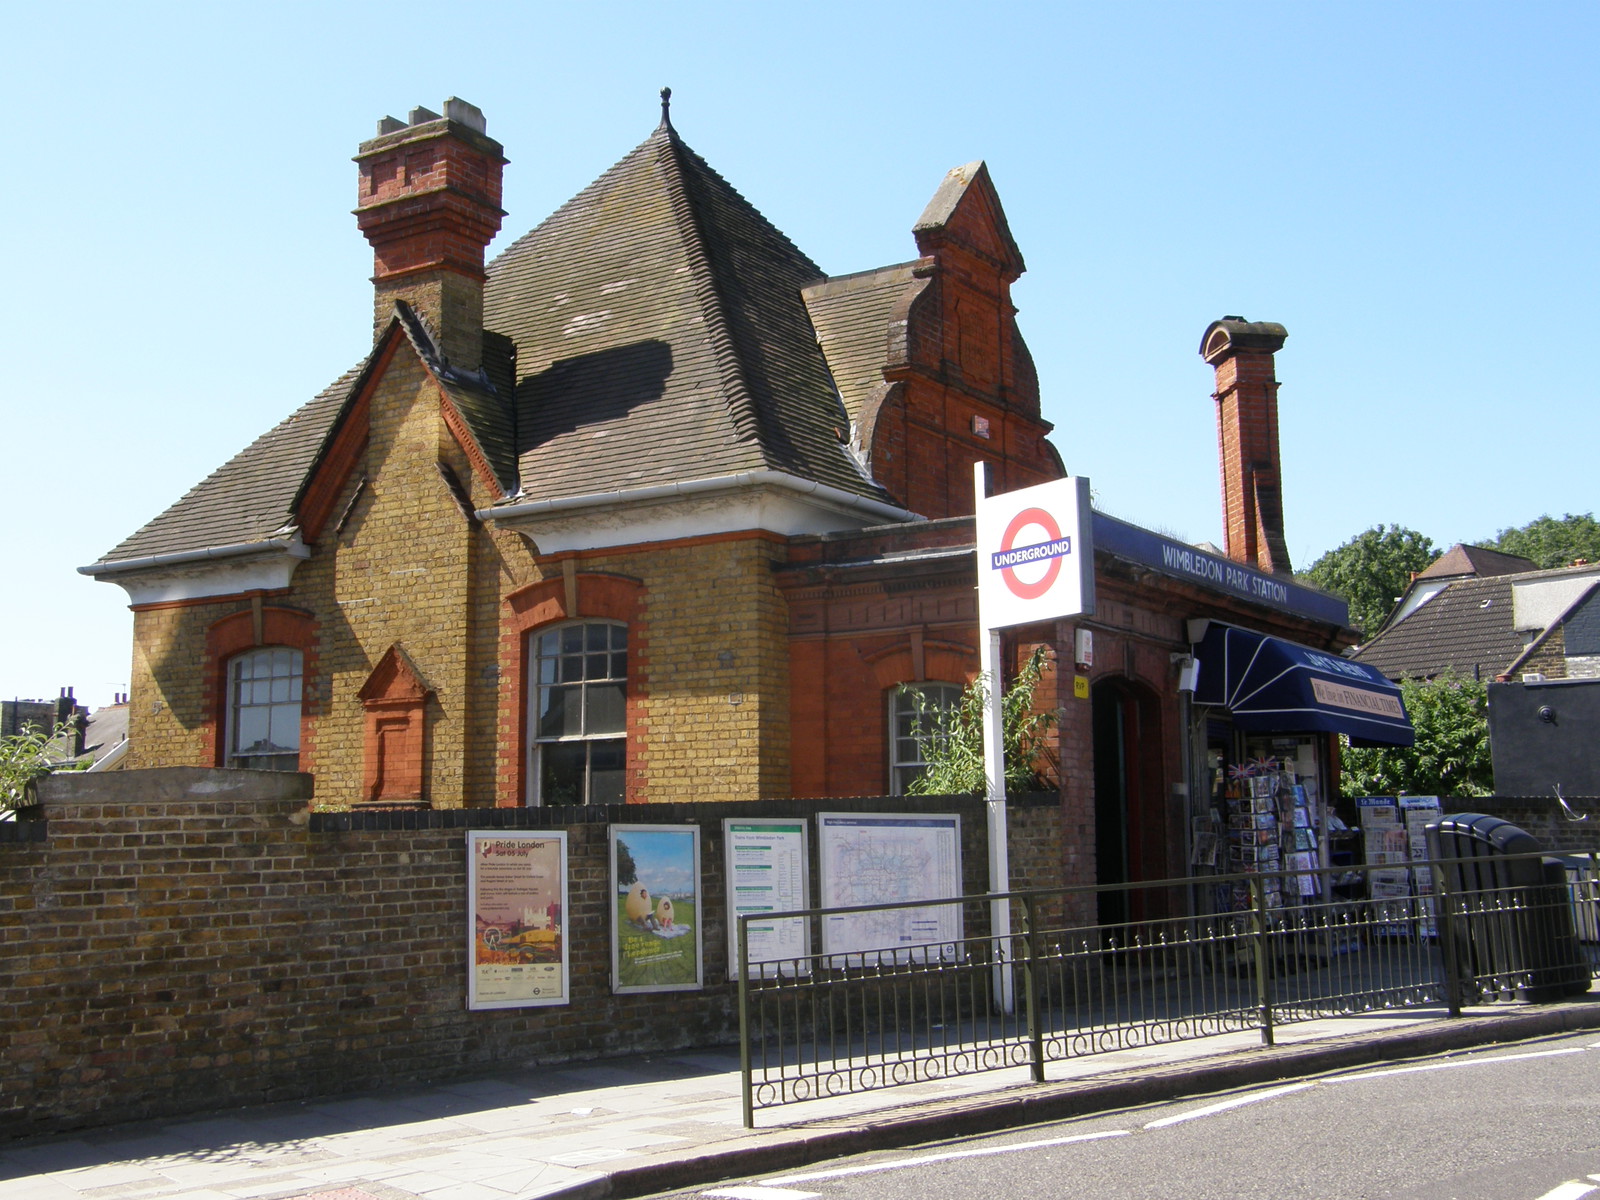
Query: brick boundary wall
<point>1540,816</point>
<point>183,939</point>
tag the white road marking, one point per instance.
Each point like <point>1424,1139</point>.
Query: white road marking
<point>1212,1109</point>
<point>1459,1062</point>
<point>1571,1190</point>
<point>764,1193</point>
<point>923,1160</point>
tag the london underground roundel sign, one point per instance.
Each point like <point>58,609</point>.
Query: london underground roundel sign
<point>1035,560</point>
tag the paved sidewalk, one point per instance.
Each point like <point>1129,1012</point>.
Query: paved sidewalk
<point>630,1127</point>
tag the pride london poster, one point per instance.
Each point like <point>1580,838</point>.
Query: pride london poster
<point>655,920</point>
<point>516,919</point>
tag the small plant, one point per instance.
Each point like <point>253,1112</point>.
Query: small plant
<point>952,739</point>
<point>24,757</point>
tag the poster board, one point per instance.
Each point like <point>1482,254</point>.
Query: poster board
<point>767,868</point>
<point>888,858</point>
<point>517,953</point>
<point>656,912</point>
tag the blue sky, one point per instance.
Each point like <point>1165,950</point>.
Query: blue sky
<point>665,860</point>
<point>1409,188</point>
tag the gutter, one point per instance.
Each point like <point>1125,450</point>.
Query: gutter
<point>700,487</point>
<point>293,547</point>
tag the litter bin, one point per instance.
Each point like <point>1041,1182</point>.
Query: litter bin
<point>1583,884</point>
<point>1511,919</point>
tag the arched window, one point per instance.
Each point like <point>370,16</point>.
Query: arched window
<point>264,689</point>
<point>914,712</point>
<point>578,713</point>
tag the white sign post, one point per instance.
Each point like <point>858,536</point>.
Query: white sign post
<point>1035,563</point>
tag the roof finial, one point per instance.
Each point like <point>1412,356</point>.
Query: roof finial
<point>666,107</point>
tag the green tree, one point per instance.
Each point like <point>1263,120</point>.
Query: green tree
<point>25,757</point>
<point>1371,570</point>
<point>1450,717</point>
<point>952,740</point>
<point>1553,543</point>
<point>627,871</point>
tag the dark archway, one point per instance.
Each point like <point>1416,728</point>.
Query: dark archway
<point>1130,816</point>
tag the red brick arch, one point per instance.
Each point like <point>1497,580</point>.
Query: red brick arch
<point>600,597</point>
<point>235,634</point>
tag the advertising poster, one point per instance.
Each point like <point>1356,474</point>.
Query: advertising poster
<point>870,858</point>
<point>516,918</point>
<point>766,872</point>
<point>655,921</point>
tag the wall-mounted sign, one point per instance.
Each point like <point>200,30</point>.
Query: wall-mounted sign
<point>516,918</point>
<point>766,868</point>
<point>656,917</point>
<point>1181,561</point>
<point>1035,554</point>
<point>891,858</point>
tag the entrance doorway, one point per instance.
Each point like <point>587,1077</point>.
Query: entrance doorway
<point>1129,816</point>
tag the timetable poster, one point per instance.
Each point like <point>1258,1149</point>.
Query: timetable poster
<point>516,918</point>
<point>766,872</point>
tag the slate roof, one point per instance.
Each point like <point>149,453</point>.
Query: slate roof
<point>249,498</point>
<point>1468,627</point>
<point>651,330</point>
<point>851,316</point>
<point>661,336</point>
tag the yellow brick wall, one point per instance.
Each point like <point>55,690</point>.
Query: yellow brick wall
<point>710,682</point>
<point>398,572</point>
<point>167,692</point>
<point>710,666</point>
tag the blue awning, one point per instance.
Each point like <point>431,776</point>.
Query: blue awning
<point>1272,685</point>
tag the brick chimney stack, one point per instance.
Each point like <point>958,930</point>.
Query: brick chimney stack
<point>430,205</point>
<point>1247,439</point>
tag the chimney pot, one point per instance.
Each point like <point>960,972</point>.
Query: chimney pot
<point>469,115</point>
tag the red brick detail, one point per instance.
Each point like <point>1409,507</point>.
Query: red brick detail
<point>1247,448</point>
<point>469,445</point>
<point>395,699</point>
<point>957,364</point>
<point>346,449</point>
<point>942,662</point>
<point>600,597</point>
<point>430,200</point>
<point>235,634</point>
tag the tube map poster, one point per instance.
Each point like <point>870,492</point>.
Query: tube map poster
<point>516,919</point>
<point>887,858</point>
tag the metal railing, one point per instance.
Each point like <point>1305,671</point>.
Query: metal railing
<point>835,1022</point>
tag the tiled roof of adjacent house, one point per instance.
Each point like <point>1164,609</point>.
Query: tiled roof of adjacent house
<point>250,497</point>
<point>1467,628</point>
<point>851,314</point>
<point>1462,559</point>
<point>661,336</point>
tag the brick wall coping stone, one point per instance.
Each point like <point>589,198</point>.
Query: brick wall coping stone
<point>558,817</point>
